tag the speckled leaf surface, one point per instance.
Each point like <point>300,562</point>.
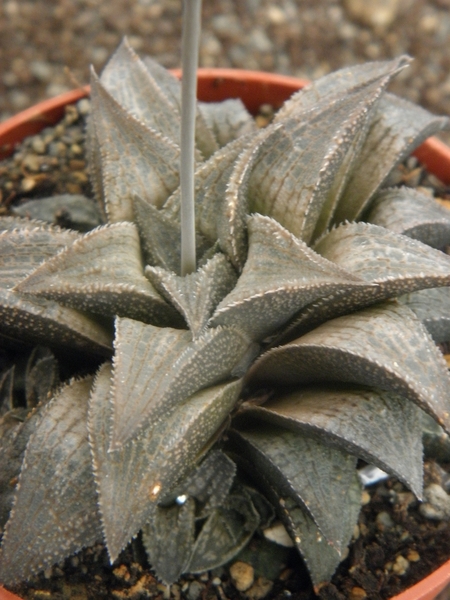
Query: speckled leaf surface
<point>338,83</point>
<point>384,346</point>
<point>169,538</point>
<point>383,428</point>
<point>408,211</point>
<point>211,481</point>
<point>73,211</point>
<point>307,161</point>
<point>25,245</point>
<point>397,128</point>
<point>165,367</point>
<point>211,184</point>
<point>432,307</point>
<point>302,467</point>
<point>227,120</point>
<point>56,494</point>
<point>102,272</point>
<point>281,276</point>
<point>195,295</point>
<point>38,320</point>
<point>320,557</point>
<point>226,531</point>
<point>133,158</point>
<point>131,480</point>
<point>396,263</point>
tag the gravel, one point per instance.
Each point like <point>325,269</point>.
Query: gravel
<point>47,47</point>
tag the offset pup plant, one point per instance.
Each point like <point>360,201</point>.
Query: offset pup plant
<point>286,351</point>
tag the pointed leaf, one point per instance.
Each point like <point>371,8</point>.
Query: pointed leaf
<point>280,277</point>
<point>314,475</point>
<point>228,119</point>
<point>432,308</point>
<point>102,272</point>
<point>211,481</point>
<point>55,508</point>
<point>41,376</point>
<point>26,245</point>
<point>320,557</point>
<point>157,369</point>
<point>38,320</point>
<point>397,128</point>
<point>131,480</point>
<point>337,83</point>
<point>74,211</point>
<point>226,531</point>
<point>211,182</point>
<point>383,428</point>
<point>133,158</point>
<point>408,211</point>
<point>396,263</point>
<point>307,161</point>
<point>169,538</point>
<point>383,346</point>
<point>196,295</point>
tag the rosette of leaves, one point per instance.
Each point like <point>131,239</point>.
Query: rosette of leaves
<point>289,336</point>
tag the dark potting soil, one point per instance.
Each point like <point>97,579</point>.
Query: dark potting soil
<point>394,545</point>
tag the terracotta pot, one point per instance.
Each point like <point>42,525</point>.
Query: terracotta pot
<point>254,88</point>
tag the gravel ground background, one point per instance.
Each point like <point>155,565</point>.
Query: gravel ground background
<point>46,45</point>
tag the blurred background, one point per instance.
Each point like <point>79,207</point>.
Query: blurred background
<point>46,46</point>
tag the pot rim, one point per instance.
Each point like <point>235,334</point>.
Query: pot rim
<point>215,85</point>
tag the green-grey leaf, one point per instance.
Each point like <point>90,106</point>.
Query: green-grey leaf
<point>157,369</point>
<point>339,82</point>
<point>397,128</point>
<point>383,428</point>
<point>55,508</point>
<point>383,346</point>
<point>281,275</point>
<point>26,244</point>
<point>307,162</point>
<point>226,531</point>
<point>320,557</point>
<point>73,210</point>
<point>102,272</point>
<point>432,307</point>
<point>228,119</point>
<point>169,539</point>
<point>395,263</point>
<point>302,467</point>
<point>196,295</point>
<point>408,211</point>
<point>133,158</point>
<point>41,376</point>
<point>42,321</point>
<point>131,480</point>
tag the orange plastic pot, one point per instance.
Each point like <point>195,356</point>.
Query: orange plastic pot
<point>254,88</point>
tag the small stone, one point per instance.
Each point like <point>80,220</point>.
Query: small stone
<point>27,184</point>
<point>242,575</point>
<point>32,162</point>
<point>401,565</point>
<point>277,533</point>
<point>357,593</point>
<point>377,13</point>
<point>216,581</point>
<point>260,588</point>
<point>38,145</point>
<point>195,590</point>
<point>365,497</point>
<point>384,521</point>
<point>84,106</point>
<point>413,556</point>
<point>436,503</point>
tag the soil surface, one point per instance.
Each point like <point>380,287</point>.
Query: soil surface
<point>394,544</point>
<point>46,46</point>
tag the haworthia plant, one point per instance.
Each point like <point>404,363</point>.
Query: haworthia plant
<point>288,335</point>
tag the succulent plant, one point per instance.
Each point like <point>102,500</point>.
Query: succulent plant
<point>255,381</point>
